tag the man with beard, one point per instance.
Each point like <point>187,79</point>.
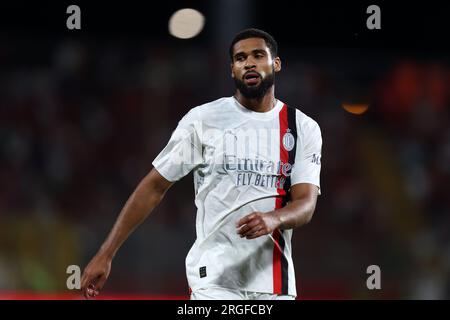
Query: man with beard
<point>256,165</point>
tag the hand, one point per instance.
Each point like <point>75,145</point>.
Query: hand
<point>257,224</point>
<point>95,275</point>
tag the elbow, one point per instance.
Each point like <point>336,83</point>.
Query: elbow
<point>301,214</point>
<point>309,216</point>
<point>303,219</point>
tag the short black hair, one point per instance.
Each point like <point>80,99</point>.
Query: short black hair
<point>255,33</point>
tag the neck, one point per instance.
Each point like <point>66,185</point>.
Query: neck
<point>264,104</point>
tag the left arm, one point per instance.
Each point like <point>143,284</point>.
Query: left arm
<point>296,213</point>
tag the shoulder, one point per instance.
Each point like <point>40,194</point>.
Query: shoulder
<point>211,107</point>
<point>306,126</point>
<point>309,131</point>
<point>206,110</point>
<point>306,121</point>
<point>218,103</point>
<point>211,113</point>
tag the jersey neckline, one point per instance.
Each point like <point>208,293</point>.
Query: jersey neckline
<point>258,115</point>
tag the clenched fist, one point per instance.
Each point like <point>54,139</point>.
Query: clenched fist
<point>95,275</point>
<point>257,224</point>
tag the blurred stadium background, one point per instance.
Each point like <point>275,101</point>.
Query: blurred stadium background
<point>83,113</point>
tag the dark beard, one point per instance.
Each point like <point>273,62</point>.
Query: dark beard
<point>255,92</point>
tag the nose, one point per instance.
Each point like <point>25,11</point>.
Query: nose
<point>249,63</point>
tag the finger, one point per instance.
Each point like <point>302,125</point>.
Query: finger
<point>250,228</point>
<point>87,293</point>
<point>252,231</point>
<point>245,220</point>
<point>243,230</point>
<point>91,291</point>
<point>251,224</point>
<point>256,234</point>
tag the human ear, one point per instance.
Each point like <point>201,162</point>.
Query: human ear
<point>277,64</point>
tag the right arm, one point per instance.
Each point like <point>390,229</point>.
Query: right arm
<point>147,195</point>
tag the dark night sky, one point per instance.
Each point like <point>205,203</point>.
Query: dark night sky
<point>405,24</point>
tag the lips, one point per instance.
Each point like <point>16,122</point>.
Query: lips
<point>251,74</point>
<point>251,77</point>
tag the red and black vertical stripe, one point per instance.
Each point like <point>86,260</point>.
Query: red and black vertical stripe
<point>287,118</point>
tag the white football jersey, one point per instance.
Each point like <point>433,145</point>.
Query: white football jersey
<point>243,161</point>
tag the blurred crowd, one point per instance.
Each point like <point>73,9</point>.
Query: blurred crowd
<point>81,122</point>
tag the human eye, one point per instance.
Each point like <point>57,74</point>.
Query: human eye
<point>259,55</point>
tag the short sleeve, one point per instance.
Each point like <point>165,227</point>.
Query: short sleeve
<point>183,152</point>
<point>308,155</point>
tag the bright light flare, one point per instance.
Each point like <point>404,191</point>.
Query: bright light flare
<point>355,108</point>
<point>186,23</point>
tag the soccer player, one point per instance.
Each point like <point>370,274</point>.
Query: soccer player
<point>256,164</point>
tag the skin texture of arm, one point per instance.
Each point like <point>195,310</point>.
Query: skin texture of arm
<point>147,195</point>
<point>296,213</point>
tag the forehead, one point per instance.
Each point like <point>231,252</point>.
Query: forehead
<point>250,44</point>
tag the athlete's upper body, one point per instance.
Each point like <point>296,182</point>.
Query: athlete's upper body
<point>256,165</point>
